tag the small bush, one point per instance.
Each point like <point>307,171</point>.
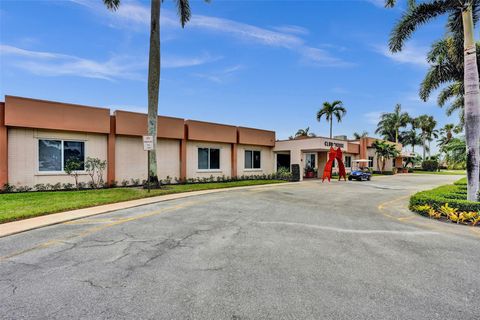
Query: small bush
<point>24,189</point>
<point>40,187</point>
<point>124,183</point>
<point>430,165</point>
<point>68,186</point>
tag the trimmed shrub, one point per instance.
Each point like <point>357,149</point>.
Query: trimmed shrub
<point>455,195</point>
<point>430,165</point>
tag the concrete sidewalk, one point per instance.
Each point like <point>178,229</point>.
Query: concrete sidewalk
<point>14,227</point>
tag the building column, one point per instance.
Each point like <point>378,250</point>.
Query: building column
<point>234,160</point>
<point>111,152</point>
<point>183,160</point>
<point>3,148</point>
<point>363,148</point>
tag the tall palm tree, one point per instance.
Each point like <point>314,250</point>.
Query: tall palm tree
<point>390,124</point>
<point>411,138</point>
<point>446,134</point>
<point>358,136</point>
<point>183,9</point>
<point>305,133</point>
<point>427,125</point>
<point>330,110</point>
<point>446,68</point>
<point>462,15</point>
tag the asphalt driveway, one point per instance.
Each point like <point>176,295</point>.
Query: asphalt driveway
<point>304,251</point>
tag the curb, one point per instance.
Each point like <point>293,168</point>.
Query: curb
<point>15,227</point>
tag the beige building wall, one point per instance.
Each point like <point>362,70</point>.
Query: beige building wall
<point>131,159</point>
<point>266,161</point>
<point>23,155</point>
<point>388,162</point>
<point>192,159</point>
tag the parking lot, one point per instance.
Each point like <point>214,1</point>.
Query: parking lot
<point>311,250</point>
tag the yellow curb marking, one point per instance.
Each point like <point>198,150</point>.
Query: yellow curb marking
<point>98,228</point>
<point>381,208</point>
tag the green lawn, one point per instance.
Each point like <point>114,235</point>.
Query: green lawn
<point>442,172</point>
<point>17,206</point>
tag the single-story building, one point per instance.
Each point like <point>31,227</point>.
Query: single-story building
<point>38,137</point>
<point>312,153</point>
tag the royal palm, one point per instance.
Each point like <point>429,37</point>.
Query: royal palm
<point>183,9</point>
<point>460,13</point>
<point>331,110</point>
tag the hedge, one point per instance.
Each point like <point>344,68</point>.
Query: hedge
<point>455,195</point>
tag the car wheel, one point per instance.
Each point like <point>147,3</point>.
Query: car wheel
<point>350,178</point>
<point>369,178</point>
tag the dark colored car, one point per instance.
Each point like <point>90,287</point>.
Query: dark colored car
<point>360,175</point>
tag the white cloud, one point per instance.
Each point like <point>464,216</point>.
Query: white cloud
<point>220,76</point>
<point>292,29</point>
<point>116,67</point>
<point>134,15</point>
<point>410,54</point>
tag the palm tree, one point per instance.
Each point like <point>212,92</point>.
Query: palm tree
<point>384,151</point>
<point>183,9</point>
<point>446,68</point>
<point>460,13</point>
<point>427,125</point>
<point>411,138</point>
<point>305,133</point>
<point>446,134</point>
<point>390,124</point>
<point>330,110</point>
<point>455,153</point>
<point>358,136</point>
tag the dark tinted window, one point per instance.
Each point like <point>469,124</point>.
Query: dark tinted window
<point>75,151</point>
<point>214,158</point>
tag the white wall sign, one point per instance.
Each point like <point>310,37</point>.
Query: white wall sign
<point>147,143</point>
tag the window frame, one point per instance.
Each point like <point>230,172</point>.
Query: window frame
<point>252,159</point>
<point>350,164</point>
<point>208,160</point>
<point>372,162</point>
<point>62,153</point>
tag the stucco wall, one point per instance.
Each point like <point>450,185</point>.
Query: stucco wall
<point>192,159</point>
<point>266,160</point>
<point>388,162</point>
<point>131,159</point>
<point>23,155</point>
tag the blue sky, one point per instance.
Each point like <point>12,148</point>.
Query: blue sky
<point>265,64</point>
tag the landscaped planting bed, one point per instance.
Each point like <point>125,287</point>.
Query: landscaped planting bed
<point>22,205</point>
<point>448,202</point>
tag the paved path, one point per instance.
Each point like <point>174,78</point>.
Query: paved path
<point>303,251</point>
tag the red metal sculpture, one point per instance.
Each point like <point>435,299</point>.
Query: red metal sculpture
<point>341,166</point>
<point>327,172</point>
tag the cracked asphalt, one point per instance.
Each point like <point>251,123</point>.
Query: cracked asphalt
<point>303,251</point>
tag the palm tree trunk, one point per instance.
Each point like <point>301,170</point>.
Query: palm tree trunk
<point>424,148</point>
<point>331,124</point>
<point>153,85</point>
<point>472,106</point>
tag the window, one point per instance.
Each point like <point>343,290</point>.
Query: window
<point>53,155</point>
<point>252,159</point>
<point>310,161</point>
<point>348,161</point>
<point>393,163</point>
<point>370,162</point>
<point>208,159</point>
